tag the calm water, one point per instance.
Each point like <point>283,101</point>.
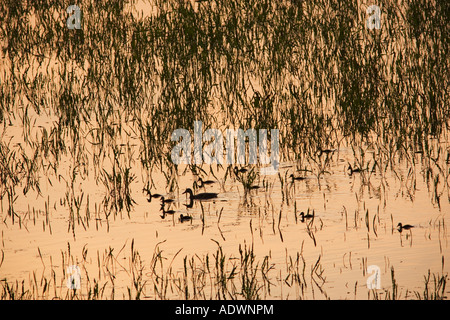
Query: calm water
<point>342,240</point>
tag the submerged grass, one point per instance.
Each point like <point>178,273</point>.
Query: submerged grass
<point>210,276</point>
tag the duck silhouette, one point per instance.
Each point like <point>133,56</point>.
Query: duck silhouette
<point>166,212</point>
<point>296,178</point>
<point>237,171</point>
<point>164,200</point>
<point>325,151</point>
<point>306,216</point>
<point>404,227</point>
<point>353,170</point>
<point>184,218</point>
<point>150,195</point>
<point>205,183</point>
<point>200,196</point>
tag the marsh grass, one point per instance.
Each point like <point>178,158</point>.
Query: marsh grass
<point>186,60</point>
<point>218,275</point>
<point>437,291</point>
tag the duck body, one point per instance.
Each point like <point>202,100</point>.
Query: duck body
<point>200,196</point>
<point>306,216</point>
<point>170,212</point>
<point>166,212</point>
<point>237,171</point>
<point>353,170</point>
<point>184,218</point>
<point>404,227</point>
<point>325,151</point>
<point>205,183</point>
<point>150,195</point>
<point>164,200</point>
<point>296,178</point>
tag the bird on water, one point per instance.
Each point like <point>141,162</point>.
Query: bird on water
<point>404,227</point>
<point>150,195</point>
<point>200,196</point>
<point>296,178</point>
<point>237,171</point>
<point>205,183</point>
<point>306,216</point>
<point>166,212</point>
<point>353,170</point>
<point>184,218</point>
<point>164,200</point>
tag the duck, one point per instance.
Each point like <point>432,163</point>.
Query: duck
<point>296,178</point>
<point>353,170</point>
<point>405,227</point>
<point>164,200</point>
<point>184,218</point>
<point>150,195</point>
<point>204,183</point>
<point>237,171</point>
<point>200,196</point>
<point>166,212</point>
<point>306,216</point>
<point>326,151</point>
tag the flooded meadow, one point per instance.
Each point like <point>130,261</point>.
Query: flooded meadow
<point>222,149</point>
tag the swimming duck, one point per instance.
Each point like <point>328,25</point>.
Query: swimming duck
<point>326,151</point>
<point>150,195</point>
<point>306,216</point>
<point>237,171</point>
<point>200,196</point>
<point>405,227</point>
<point>163,208</point>
<point>296,178</point>
<point>184,218</point>
<point>204,183</point>
<point>170,212</point>
<point>353,170</point>
<point>164,200</point>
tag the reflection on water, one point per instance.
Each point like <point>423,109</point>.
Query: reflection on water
<point>87,178</point>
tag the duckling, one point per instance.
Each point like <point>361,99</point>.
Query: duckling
<point>150,195</point>
<point>237,171</point>
<point>204,183</point>
<point>184,218</point>
<point>165,212</point>
<point>405,227</point>
<point>164,200</point>
<point>306,216</point>
<point>353,170</point>
<point>326,151</point>
<point>296,178</point>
